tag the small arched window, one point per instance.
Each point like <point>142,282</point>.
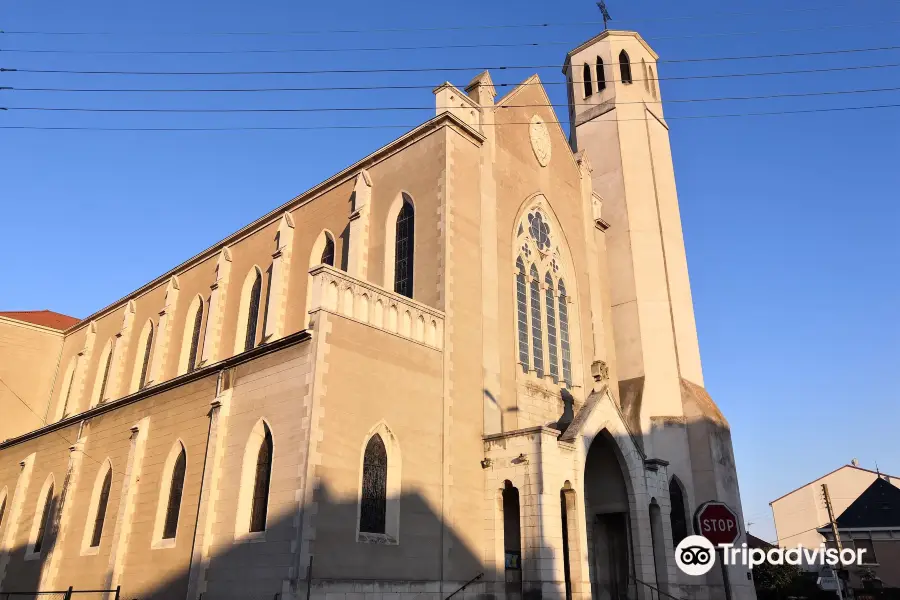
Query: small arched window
<point>261,482</point>
<point>405,246</point>
<point>195,337</point>
<point>148,348</point>
<point>522,313</point>
<point>646,75</point>
<point>601,75</point>
<point>176,491</point>
<point>588,85</point>
<point>537,341</point>
<point>253,312</point>
<point>45,520</point>
<point>625,67</point>
<point>102,503</point>
<point>373,507</point>
<point>70,379</point>
<point>678,514</point>
<point>652,83</point>
<point>564,333</point>
<point>2,507</point>
<point>551,328</point>
<point>109,358</point>
<point>328,251</point>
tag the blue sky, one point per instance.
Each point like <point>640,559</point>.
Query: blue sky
<point>790,221</point>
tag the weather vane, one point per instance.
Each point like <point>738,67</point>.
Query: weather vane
<point>606,18</point>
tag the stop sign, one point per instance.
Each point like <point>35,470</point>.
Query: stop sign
<point>717,523</point>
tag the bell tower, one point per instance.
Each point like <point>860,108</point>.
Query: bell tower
<point>616,117</point>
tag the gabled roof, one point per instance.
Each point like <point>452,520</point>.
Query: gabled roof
<point>877,506</point>
<point>826,475</point>
<point>44,318</point>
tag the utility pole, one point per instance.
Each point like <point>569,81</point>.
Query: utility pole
<point>837,538</point>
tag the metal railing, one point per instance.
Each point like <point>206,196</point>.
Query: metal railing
<point>69,594</point>
<point>654,592</point>
<point>465,585</point>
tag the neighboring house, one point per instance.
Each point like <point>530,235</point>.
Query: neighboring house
<point>30,345</point>
<point>798,514</point>
<point>872,523</point>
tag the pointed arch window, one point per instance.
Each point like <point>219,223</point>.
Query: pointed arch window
<point>261,484</point>
<point>148,348</point>
<point>45,519</point>
<point>2,508</point>
<point>625,67</point>
<point>564,333</point>
<point>253,312</point>
<point>102,503</point>
<point>195,337</point>
<point>522,313</point>
<point>373,507</point>
<point>405,246</point>
<point>552,346</point>
<point>652,82</point>
<point>109,358</point>
<point>328,251</point>
<point>601,75</point>
<point>678,514</point>
<point>72,370</point>
<point>176,491</point>
<point>537,341</point>
<point>588,85</point>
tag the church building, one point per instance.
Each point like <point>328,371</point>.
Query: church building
<point>467,365</point>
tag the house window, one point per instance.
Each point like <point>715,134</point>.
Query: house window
<point>195,337</point>
<point>261,484</point>
<point>551,328</point>
<point>537,341</point>
<point>147,351</point>
<point>2,508</point>
<point>405,246</point>
<point>868,557</point>
<point>652,83</point>
<point>45,519</point>
<point>176,490</point>
<point>253,312</point>
<point>102,503</point>
<point>522,313</point>
<point>588,86</point>
<point>625,67</point>
<point>373,508</point>
<point>601,75</point>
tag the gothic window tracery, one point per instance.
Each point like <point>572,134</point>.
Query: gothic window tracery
<point>541,302</point>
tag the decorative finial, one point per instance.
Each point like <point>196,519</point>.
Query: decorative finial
<point>606,18</point>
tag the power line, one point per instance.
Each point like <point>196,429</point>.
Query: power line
<point>497,68</point>
<point>438,46</point>
<point>402,87</point>
<point>432,29</point>
<point>422,108</point>
<point>44,421</point>
<point>410,126</point>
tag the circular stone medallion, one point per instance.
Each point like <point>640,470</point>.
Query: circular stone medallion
<point>540,140</point>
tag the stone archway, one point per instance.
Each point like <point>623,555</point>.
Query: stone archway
<point>607,520</point>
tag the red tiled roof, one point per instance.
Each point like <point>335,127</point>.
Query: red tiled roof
<point>45,318</point>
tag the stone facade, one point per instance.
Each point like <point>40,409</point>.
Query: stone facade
<point>534,397</point>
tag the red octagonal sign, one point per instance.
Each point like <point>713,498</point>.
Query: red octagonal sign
<point>717,523</point>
